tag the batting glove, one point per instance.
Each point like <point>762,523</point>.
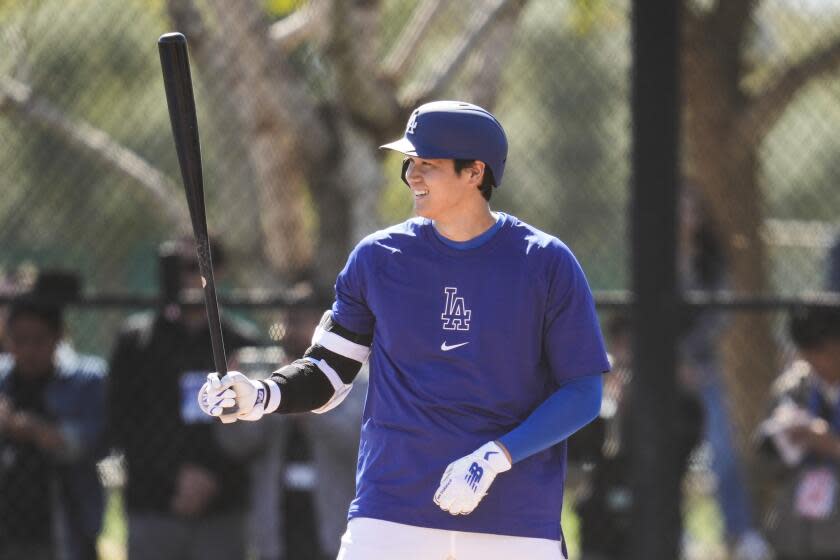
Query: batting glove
<point>233,397</point>
<point>466,481</point>
<point>214,397</point>
<point>251,396</point>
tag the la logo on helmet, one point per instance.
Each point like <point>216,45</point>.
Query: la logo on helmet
<point>412,123</point>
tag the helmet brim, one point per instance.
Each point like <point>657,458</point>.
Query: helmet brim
<point>403,146</point>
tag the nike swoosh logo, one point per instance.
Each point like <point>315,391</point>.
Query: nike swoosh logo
<point>447,348</point>
<point>486,455</point>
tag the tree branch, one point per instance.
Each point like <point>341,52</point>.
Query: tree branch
<point>730,18</point>
<point>300,26</point>
<point>459,52</point>
<point>282,129</point>
<point>188,20</point>
<point>353,50</point>
<point>766,108</point>
<point>489,60</point>
<point>415,30</point>
<point>17,97</point>
<point>270,90</point>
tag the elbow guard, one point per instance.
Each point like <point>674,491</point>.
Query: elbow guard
<point>324,377</point>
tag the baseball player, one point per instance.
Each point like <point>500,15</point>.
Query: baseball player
<point>485,356</point>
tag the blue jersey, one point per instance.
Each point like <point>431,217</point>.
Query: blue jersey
<point>466,344</point>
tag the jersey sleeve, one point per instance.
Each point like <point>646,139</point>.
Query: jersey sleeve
<point>573,342</point>
<point>350,309</point>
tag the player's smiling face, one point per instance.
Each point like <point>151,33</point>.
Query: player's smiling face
<point>439,191</point>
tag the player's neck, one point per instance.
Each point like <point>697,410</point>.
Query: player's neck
<point>466,225</point>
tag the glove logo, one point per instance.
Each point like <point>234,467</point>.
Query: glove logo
<point>487,455</point>
<point>260,397</point>
<point>474,475</point>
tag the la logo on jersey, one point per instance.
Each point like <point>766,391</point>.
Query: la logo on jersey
<point>456,316</point>
<point>412,123</point>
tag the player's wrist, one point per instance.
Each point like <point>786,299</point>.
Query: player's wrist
<point>272,403</point>
<point>495,456</point>
<point>504,449</point>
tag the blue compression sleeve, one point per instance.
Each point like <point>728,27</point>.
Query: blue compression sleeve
<point>570,408</point>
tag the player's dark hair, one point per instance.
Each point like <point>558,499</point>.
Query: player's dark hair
<point>51,314</point>
<point>487,182</point>
<point>810,326</point>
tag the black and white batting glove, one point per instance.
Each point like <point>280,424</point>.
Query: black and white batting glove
<point>236,397</point>
<point>466,481</point>
<point>214,397</point>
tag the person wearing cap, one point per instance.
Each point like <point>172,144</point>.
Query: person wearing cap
<point>485,356</point>
<point>52,426</point>
<point>800,440</point>
<point>185,494</point>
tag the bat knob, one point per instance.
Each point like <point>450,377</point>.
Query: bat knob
<point>174,37</point>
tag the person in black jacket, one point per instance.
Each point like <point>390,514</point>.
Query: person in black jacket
<point>51,435</point>
<point>604,447</point>
<point>185,495</point>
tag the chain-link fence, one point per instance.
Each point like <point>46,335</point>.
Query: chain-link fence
<point>294,97</point>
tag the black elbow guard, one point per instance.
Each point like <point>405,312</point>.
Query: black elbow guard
<point>324,377</point>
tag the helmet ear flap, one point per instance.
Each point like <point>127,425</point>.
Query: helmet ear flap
<point>405,163</point>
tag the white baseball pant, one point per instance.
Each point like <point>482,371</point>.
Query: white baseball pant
<point>374,539</point>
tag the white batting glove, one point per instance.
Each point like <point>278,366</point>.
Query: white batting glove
<point>251,396</point>
<point>466,481</point>
<point>214,397</point>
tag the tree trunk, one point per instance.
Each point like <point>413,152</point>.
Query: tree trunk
<point>282,132</point>
<point>724,167</point>
<point>315,162</point>
<point>345,192</point>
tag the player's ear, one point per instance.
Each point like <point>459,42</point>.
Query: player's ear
<point>475,171</point>
<point>405,163</point>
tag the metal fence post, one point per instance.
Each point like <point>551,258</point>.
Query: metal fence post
<point>655,110</point>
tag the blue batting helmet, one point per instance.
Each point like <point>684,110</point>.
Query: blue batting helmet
<point>454,130</point>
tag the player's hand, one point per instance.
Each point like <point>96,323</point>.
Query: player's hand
<point>250,396</point>
<point>214,397</point>
<point>466,481</point>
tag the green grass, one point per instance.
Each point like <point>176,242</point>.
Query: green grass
<point>114,536</point>
<point>703,527</point>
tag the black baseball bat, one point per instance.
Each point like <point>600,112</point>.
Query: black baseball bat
<point>175,63</point>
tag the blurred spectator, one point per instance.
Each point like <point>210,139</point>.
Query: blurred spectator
<point>333,441</point>
<point>52,414</point>
<point>268,439</point>
<point>256,444</point>
<point>300,457</point>
<point>176,502</point>
<point>702,267</point>
<point>833,267</point>
<point>604,446</point>
<point>7,290</point>
<point>802,435</point>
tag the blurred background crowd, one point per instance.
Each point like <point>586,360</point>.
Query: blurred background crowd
<point>103,336</point>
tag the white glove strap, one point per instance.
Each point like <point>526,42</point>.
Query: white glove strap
<point>495,456</point>
<point>273,396</point>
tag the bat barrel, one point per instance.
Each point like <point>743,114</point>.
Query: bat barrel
<point>177,81</point>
